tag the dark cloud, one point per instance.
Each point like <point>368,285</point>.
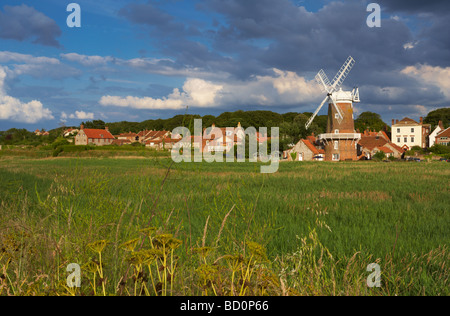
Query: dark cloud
<point>416,6</point>
<point>24,22</point>
<point>160,22</point>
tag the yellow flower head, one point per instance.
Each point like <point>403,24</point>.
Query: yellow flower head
<point>98,246</point>
<point>130,245</point>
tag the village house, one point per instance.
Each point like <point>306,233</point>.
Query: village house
<point>70,132</point>
<point>373,142</point>
<point>162,144</point>
<point>443,137</point>
<point>131,137</point>
<point>407,133</point>
<point>305,150</point>
<point>437,130</point>
<point>41,133</point>
<point>146,136</point>
<point>98,137</point>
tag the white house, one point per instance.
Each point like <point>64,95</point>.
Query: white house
<point>432,137</point>
<point>407,133</point>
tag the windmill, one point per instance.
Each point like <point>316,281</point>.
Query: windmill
<point>341,139</point>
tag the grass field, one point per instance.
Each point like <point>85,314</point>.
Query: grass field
<point>222,229</point>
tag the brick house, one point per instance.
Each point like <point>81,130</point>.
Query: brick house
<point>131,137</point>
<point>432,137</point>
<point>443,137</point>
<point>98,137</point>
<point>373,142</point>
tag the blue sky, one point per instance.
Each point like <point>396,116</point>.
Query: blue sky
<point>139,60</point>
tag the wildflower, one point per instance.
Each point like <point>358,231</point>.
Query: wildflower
<point>174,243</point>
<point>207,272</point>
<point>91,266</point>
<point>130,245</point>
<point>98,246</point>
<point>163,239</point>
<point>257,250</point>
<point>149,231</point>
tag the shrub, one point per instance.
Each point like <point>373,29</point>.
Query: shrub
<point>379,155</point>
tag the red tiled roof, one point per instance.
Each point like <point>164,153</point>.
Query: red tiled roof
<point>311,146</point>
<point>407,121</point>
<point>128,135</point>
<point>444,133</point>
<point>370,142</point>
<point>156,134</point>
<point>98,134</point>
<point>396,147</point>
<point>386,150</point>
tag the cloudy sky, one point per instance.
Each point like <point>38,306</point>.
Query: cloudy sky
<point>139,60</point>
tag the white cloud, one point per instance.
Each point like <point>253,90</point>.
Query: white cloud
<point>18,111</point>
<point>6,56</point>
<point>437,76</point>
<point>283,88</point>
<point>173,102</point>
<point>39,67</point>
<point>81,115</point>
<point>88,61</point>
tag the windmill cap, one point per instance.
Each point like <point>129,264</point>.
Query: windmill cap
<point>343,96</point>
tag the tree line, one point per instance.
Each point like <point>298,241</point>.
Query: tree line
<point>292,125</point>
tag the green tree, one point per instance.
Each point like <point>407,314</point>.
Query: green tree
<point>369,120</point>
<point>434,117</point>
<point>95,124</point>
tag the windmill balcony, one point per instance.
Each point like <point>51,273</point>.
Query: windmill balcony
<point>340,136</point>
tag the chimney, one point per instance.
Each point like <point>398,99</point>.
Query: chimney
<point>239,124</point>
<point>107,128</point>
<point>81,127</point>
<point>213,125</point>
<point>393,122</point>
<point>421,120</point>
<point>396,121</point>
<point>441,125</point>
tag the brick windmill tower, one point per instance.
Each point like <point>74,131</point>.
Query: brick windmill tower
<point>341,138</point>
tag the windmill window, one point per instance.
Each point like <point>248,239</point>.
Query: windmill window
<point>336,116</point>
<point>336,131</point>
<point>336,145</point>
<point>335,157</point>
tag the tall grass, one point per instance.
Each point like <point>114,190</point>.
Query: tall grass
<point>310,229</point>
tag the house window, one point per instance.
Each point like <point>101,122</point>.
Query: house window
<point>412,139</point>
<point>398,130</point>
<point>335,157</point>
<point>336,131</point>
<point>412,130</point>
<point>406,139</point>
<point>336,145</point>
<point>398,140</point>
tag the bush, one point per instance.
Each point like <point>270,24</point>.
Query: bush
<point>379,155</point>
<point>440,149</point>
